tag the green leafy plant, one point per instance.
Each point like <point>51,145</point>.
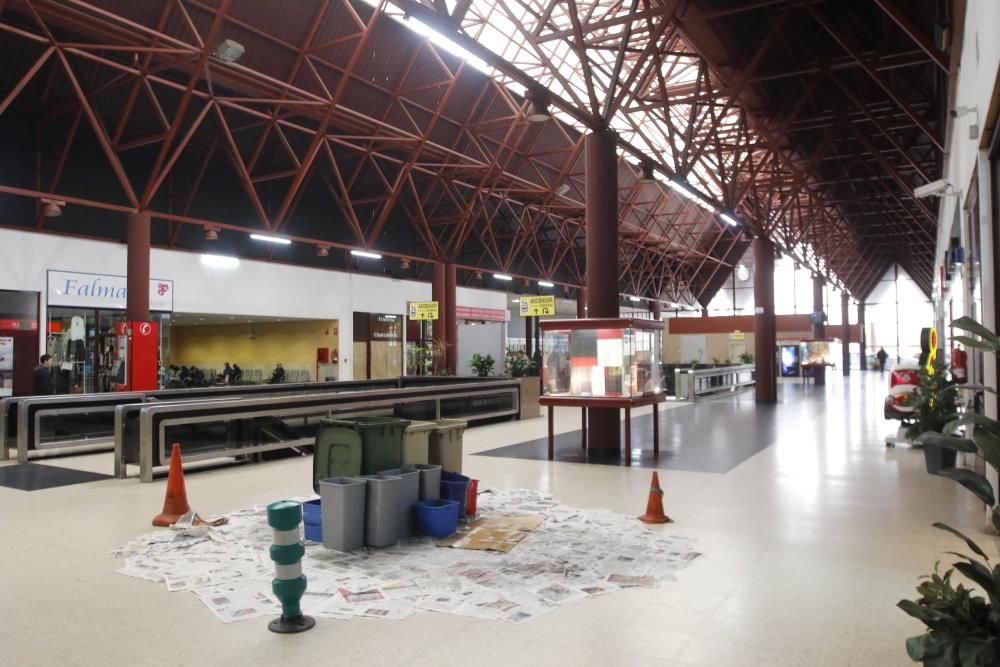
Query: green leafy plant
<point>518,364</point>
<point>483,366</point>
<point>935,401</point>
<point>963,629</point>
<point>746,357</point>
<point>431,357</point>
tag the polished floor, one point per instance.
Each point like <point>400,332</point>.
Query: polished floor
<point>809,544</point>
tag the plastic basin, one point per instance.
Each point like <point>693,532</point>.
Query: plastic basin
<point>437,518</point>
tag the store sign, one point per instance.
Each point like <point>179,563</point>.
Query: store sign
<point>94,290</point>
<point>423,310</point>
<point>481,314</point>
<point>738,335</point>
<point>532,306</point>
<point>6,353</point>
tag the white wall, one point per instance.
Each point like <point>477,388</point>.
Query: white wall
<point>977,77</point>
<point>254,288</point>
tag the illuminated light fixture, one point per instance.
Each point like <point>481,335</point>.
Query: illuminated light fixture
<point>211,233</point>
<point>366,254</point>
<point>648,175</point>
<point>323,251</point>
<point>220,261</point>
<point>515,301</point>
<point>229,51</point>
<point>634,299</point>
<point>729,219</point>
<point>562,189</point>
<point>503,276</point>
<point>742,273</point>
<point>545,283</point>
<point>271,239</point>
<point>444,43</point>
<point>537,110</point>
<point>685,190</point>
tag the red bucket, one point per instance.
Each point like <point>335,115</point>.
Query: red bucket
<point>470,497</point>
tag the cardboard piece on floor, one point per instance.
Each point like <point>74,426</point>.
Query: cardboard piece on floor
<point>494,532</point>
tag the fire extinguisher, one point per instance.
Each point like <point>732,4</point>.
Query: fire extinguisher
<point>959,365</point>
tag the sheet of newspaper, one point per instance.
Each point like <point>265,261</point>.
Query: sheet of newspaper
<point>573,555</point>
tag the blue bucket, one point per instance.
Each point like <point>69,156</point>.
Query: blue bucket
<point>437,517</point>
<point>455,486</point>
<point>312,521</point>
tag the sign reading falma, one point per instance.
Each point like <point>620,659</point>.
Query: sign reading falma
<point>97,290</point>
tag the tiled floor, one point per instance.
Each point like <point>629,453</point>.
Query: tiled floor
<point>809,544</point>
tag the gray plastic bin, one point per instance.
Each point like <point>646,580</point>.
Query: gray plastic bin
<point>381,509</point>
<point>430,480</point>
<point>343,512</point>
<point>409,495</point>
<point>446,444</point>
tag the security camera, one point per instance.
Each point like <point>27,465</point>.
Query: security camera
<point>934,188</point>
<point>958,112</point>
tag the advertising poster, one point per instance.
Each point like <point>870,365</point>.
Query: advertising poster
<point>6,353</point>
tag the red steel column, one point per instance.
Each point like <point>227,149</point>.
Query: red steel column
<point>656,309</point>
<point>818,328</point>
<point>845,336</point>
<point>602,267</point>
<point>863,352</point>
<point>439,327</point>
<point>137,232</point>
<point>529,336</point>
<point>581,303</point>
<point>765,329</point>
<point>451,321</point>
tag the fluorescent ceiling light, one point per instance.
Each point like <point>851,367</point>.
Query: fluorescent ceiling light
<point>502,276</point>
<point>220,261</point>
<point>515,301</point>
<point>730,220</point>
<point>366,254</point>
<point>445,43</point>
<point>634,298</point>
<point>271,239</point>
<point>545,283</point>
<point>685,190</point>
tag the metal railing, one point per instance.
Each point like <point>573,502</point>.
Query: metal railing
<point>691,384</point>
<point>223,427</point>
<point>41,426</point>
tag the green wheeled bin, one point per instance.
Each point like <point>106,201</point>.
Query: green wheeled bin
<point>381,441</point>
<point>337,452</point>
<point>446,444</point>
<point>416,442</point>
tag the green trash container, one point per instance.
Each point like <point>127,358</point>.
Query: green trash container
<point>337,452</point>
<point>416,441</point>
<point>381,441</point>
<point>446,444</point>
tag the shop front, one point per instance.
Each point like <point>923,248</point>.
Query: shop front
<point>83,311</point>
<point>378,346</point>
<point>18,341</point>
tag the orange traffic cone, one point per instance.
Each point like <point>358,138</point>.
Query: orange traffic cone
<point>654,506</point>
<point>175,503</point>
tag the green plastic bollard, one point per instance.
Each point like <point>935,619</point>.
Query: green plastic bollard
<point>289,584</point>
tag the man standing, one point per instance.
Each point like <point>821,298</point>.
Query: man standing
<point>882,355</point>
<point>42,380</point>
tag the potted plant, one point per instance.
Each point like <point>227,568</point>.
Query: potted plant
<point>518,364</point>
<point>935,404</point>
<point>963,628</point>
<point>746,357</point>
<point>483,366</point>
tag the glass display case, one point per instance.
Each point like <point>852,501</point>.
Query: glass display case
<point>601,358</point>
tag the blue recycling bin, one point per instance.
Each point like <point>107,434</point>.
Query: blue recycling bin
<point>455,486</point>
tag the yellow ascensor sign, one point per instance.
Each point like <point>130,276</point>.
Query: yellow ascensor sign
<point>538,305</point>
<point>423,310</point>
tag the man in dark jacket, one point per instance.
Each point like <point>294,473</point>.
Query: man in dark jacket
<point>42,380</point>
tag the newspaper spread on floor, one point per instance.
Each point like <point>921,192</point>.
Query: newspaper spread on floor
<point>575,554</point>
